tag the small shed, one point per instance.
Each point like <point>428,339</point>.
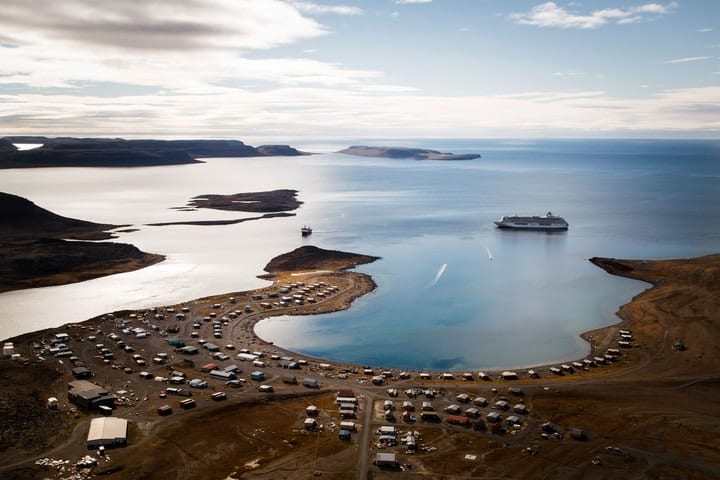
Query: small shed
<point>507,375</point>
<point>520,408</point>
<point>463,398</point>
<point>344,435</point>
<point>312,411</point>
<point>310,424</point>
<point>257,375</point>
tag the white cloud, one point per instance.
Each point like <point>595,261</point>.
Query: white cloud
<point>549,14</point>
<point>687,59</point>
<point>289,112</point>
<point>156,25</point>
<point>704,30</point>
<point>314,8</point>
<point>405,2</point>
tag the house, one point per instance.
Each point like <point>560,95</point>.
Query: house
<point>429,416</point>
<point>350,426</point>
<point>458,420</point>
<point>311,382</point>
<point>463,398</point>
<point>310,424</point>
<point>107,432</point>
<point>472,412</point>
<point>88,395</point>
<point>493,417</point>
<point>513,420</point>
<point>509,375</point>
<point>385,460</point>
<point>480,401</point>
<point>257,375</point>
<point>453,409</point>
<point>520,408</point>
<point>387,430</point>
<point>223,375</point>
<point>189,350</point>
<point>208,367</point>
<point>501,405</point>
<point>344,434</point>
<point>312,411</point>
<point>81,372</point>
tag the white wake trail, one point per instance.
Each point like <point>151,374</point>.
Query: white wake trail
<point>440,273</point>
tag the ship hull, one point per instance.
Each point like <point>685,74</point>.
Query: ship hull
<point>543,228</point>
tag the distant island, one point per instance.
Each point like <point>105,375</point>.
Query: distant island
<point>406,152</point>
<point>34,251</point>
<point>117,152</point>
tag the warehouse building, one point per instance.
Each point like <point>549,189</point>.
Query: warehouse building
<point>107,432</point>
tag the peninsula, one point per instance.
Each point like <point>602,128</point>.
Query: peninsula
<point>117,152</point>
<point>35,251</point>
<point>405,152</point>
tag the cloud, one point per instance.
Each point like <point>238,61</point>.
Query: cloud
<point>288,112</point>
<point>405,2</point>
<point>704,30</point>
<point>549,14</point>
<point>314,8</point>
<point>156,25</point>
<point>687,59</point>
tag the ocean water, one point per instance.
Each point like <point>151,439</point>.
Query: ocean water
<point>453,291</point>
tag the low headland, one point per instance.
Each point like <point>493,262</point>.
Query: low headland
<point>118,152</point>
<point>407,152</point>
<point>644,404</point>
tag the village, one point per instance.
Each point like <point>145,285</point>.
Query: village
<point>124,374</point>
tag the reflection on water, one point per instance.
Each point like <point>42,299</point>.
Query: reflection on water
<point>453,291</point>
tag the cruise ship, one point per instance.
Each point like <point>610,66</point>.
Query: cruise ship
<point>549,222</point>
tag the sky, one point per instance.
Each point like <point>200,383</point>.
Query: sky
<point>280,70</point>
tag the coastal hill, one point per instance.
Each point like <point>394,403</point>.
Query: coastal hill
<point>21,219</point>
<point>309,257</point>
<point>33,252</point>
<point>405,152</point>
<point>117,152</point>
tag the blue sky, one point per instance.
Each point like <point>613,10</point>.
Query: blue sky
<point>274,70</point>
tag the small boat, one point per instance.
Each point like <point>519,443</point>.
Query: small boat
<point>305,231</point>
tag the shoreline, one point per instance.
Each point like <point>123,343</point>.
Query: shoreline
<point>362,285</point>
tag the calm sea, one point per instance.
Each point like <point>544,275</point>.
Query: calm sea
<point>453,291</point>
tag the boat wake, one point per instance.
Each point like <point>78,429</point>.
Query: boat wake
<point>439,274</point>
<point>489,254</point>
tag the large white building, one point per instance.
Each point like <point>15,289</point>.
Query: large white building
<point>107,432</point>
